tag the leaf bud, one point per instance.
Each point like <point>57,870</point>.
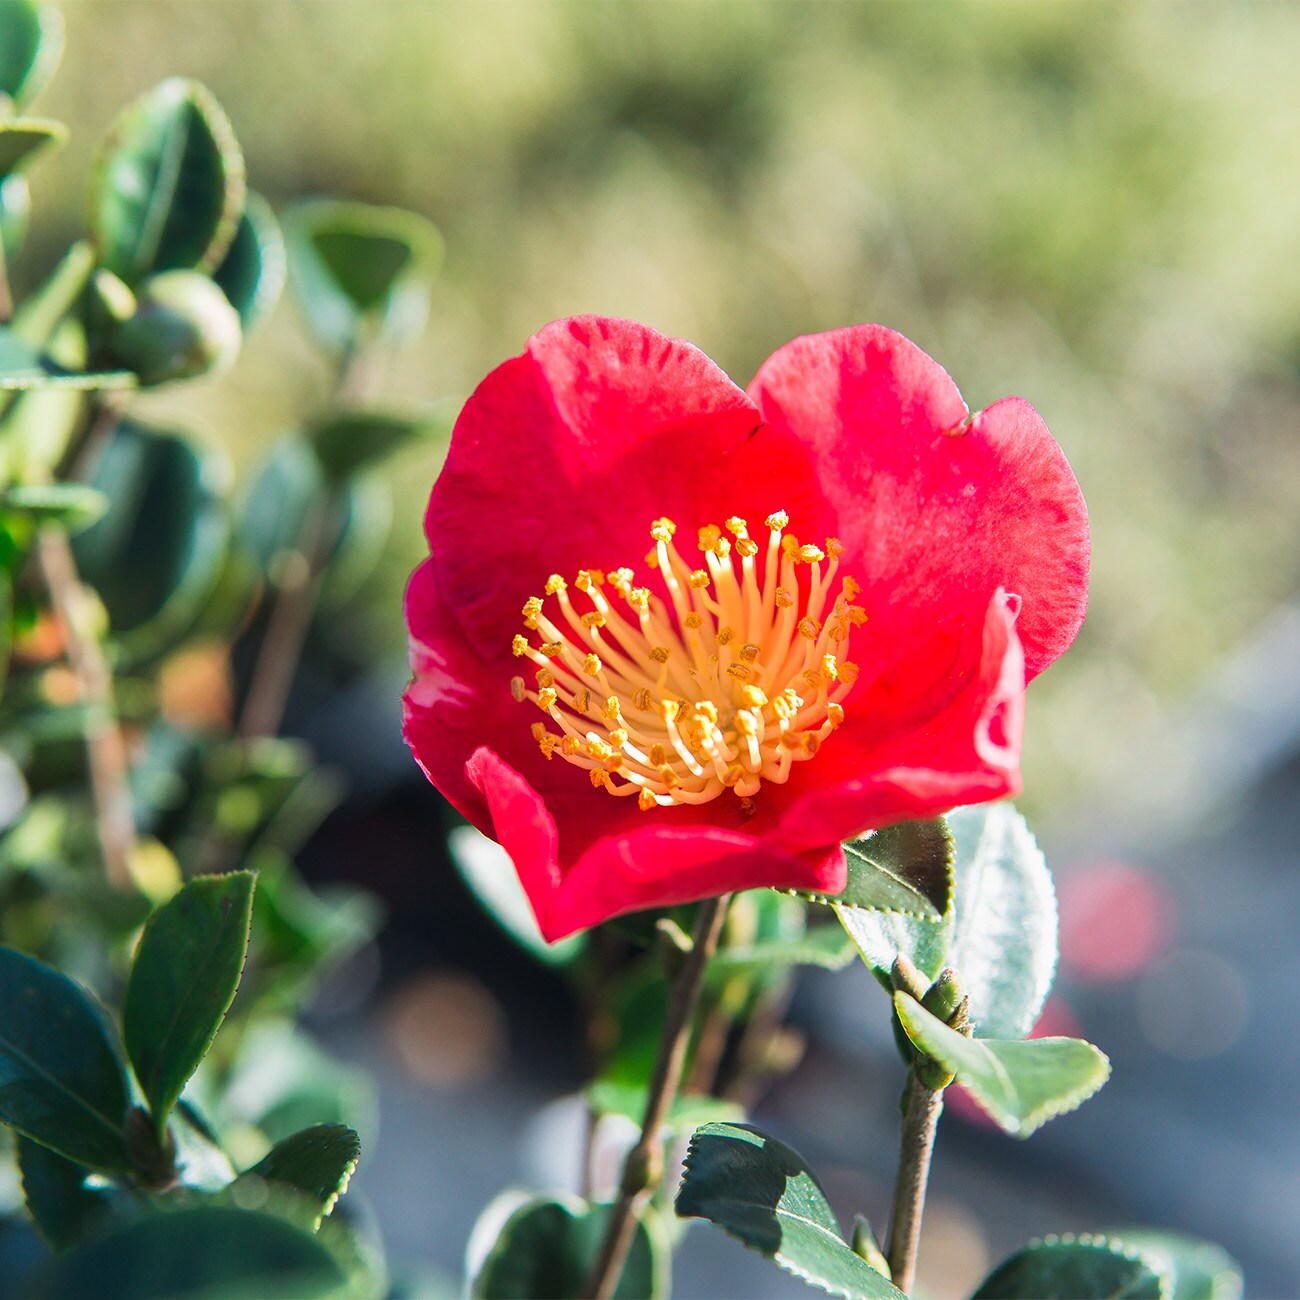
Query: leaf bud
<point>182,326</point>
<point>934,1076</point>
<point>865,1246</point>
<point>906,978</point>
<point>154,1162</point>
<point>943,996</point>
<point>644,1168</point>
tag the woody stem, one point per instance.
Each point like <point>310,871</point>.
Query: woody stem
<point>644,1168</point>
<point>920,1122</point>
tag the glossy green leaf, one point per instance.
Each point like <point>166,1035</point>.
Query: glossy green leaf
<point>490,876</point>
<point>63,1208</point>
<point>1194,1269</point>
<point>357,269</point>
<point>904,868</point>
<point>1004,944</point>
<point>23,367</point>
<point>199,1252</point>
<point>155,557</point>
<point>688,1111</point>
<point>31,41</point>
<point>182,982</point>
<point>1074,1268</point>
<point>73,506</point>
<point>168,188</point>
<point>899,896</point>
<point>24,139</point>
<point>61,1080</point>
<point>760,1191</point>
<point>1022,1083</point>
<point>347,440</point>
<point>252,273</point>
<point>548,1246</point>
<point>826,946</point>
<point>317,1162</point>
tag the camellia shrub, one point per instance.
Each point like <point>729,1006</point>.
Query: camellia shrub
<point>735,678</point>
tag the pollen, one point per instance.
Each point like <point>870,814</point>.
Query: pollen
<point>707,680</point>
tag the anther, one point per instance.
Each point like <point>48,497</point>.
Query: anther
<point>642,700</point>
<point>783,598</point>
<point>552,649</point>
<point>809,628</point>
<point>726,635</point>
<point>532,608</point>
<point>517,689</point>
<point>545,677</point>
<point>554,584</point>
<point>698,579</point>
<point>646,800</point>
<point>519,646</point>
<point>750,652</point>
<point>662,530</point>
<point>777,521</point>
<point>660,654</point>
<point>591,665</point>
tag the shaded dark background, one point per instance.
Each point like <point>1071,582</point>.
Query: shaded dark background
<point>1092,205</point>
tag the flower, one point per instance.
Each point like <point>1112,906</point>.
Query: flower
<point>817,605</point>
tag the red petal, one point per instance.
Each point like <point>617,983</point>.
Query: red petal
<point>897,762</point>
<point>936,512</point>
<point>564,456</point>
<point>653,866</point>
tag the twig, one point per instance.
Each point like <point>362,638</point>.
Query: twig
<point>643,1170</point>
<point>105,748</point>
<point>920,1120</point>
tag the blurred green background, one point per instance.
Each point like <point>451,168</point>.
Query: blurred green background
<point>1093,205</point>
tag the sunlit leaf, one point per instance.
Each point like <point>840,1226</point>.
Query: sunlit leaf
<point>183,979</point>
<point>760,1191</point>
<point>1021,1083</point>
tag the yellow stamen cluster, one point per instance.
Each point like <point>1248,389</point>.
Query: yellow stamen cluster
<point>733,680</point>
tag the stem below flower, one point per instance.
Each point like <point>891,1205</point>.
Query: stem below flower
<point>643,1169</point>
<point>920,1120</point>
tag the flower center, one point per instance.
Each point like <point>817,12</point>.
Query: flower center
<point>729,685</point>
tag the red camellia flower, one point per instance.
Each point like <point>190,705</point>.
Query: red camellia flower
<point>675,639</point>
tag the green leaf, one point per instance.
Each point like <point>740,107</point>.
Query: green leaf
<point>252,273</point>
<point>548,1246</point>
<point>73,506</point>
<point>358,269</point>
<point>904,868</point>
<point>1022,1083</point>
<point>318,1162</point>
<point>345,441</point>
<point>61,1080</point>
<point>1004,943</point>
<point>157,554</point>
<point>899,896</point>
<point>23,367</point>
<point>688,1111</point>
<point>63,1208</point>
<point>31,41</point>
<point>826,946</point>
<point>199,1252</point>
<point>490,876</point>
<point>1074,1268</point>
<point>1194,1269</point>
<point>168,188</point>
<point>23,139</point>
<point>762,1192</point>
<point>183,980</point>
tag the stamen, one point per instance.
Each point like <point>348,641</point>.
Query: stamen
<point>719,678</point>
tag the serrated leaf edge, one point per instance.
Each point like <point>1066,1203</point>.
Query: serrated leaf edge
<point>1114,1244</point>
<point>1227,1282</point>
<point>1049,1110</point>
<point>787,1265</point>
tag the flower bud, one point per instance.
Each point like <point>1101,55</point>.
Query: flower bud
<point>943,996</point>
<point>182,326</point>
